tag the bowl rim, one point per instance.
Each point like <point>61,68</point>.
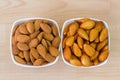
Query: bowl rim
<point>19,21</point>
<point>70,21</point>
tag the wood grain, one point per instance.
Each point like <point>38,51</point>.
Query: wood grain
<point>59,10</point>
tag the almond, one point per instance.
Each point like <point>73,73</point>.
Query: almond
<point>103,34</point>
<point>20,60</point>
<point>73,28</point>
<point>45,27</point>
<point>66,29</point>
<point>49,43</point>
<point>42,50</point>
<point>102,44</point>
<point>93,34</point>
<point>13,41</point>
<point>15,50</point>
<point>85,60</point>
<point>67,53</point>
<point>83,34</point>
<point>44,43</point>
<point>90,51</point>
<point>56,42</point>
<point>54,30</point>
<point>33,43</point>
<point>69,41</point>
<point>89,24</point>
<point>96,62</point>
<point>37,24</point>
<point>80,42</point>
<point>32,59</point>
<point>49,58</point>
<point>23,38</point>
<point>53,51</point>
<point>97,40</point>
<point>64,42</point>
<point>34,35</point>
<point>99,25</point>
<point>93,45</point>
<point>48,36</point>
<point>40,36</point>
<point>38,62</point>
<point>34,53</point>
<point>21,55</point>
<point>30,27</point>
<point>95,56</point>
<point>103,55</point>
<point>22,46</point>
<point>27,56</point>
<point>23,29</point>
<point>75,62</point>
<point>76,50</point>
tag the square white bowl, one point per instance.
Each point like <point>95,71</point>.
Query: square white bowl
<point>67,22</point>
<point>17,22</point>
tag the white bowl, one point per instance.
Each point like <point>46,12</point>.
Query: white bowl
<point>21,21</point>
<point>67,22</point>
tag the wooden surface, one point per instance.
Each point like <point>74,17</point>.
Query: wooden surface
<point>59,10</point>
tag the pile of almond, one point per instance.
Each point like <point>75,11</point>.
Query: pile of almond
<point>35,42</point>
<point>85,42</point>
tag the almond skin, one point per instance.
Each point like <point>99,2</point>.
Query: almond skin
<point>89,24</point>
<point>23,38</point>
<point>69,41</point>
<point>73,28</point>
<point>67,53</point>
<point>22,46</point>
<point>83,34</point>
<point>20,60</point>
<point>76,50</point>
<point>45,27</point>
<point>56,42</point>
<point>53,51</point>
<point>33,43</point>
<point>90,51</point>
<point>103,55</point>
<point>34,53</point>
<point>30,27</point>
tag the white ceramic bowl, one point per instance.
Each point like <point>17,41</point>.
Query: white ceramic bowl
<point>21,21</point>
<point>67,22</point>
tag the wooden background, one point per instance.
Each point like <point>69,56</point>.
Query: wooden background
<point>59,10</point>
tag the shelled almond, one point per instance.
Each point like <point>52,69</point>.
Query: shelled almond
<point>85,42</point>
<point>35,42</point>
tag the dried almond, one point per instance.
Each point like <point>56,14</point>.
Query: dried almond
<point>99,25</point>
<point>85,60</point>
<point>69,41</point>
<point>89,24</point>
<point>38,62</point>
<point>54,51</point>
<point>32,59</point>
<point>83,20</point>
<point>93,34</point>
<point>95,56</point>
<point>30,27</point>
<point>33,43</point>
<point>80,42</point>
<point>44,43</point>
<point>23,38</point>
<point>48,43</point>
<point>21,55</point>
<point>67,53</point>
<point>54,30</point>
<point>17,33</point>
<point>49,57</point>
<point>77,50</point>
<point>37,24</point>
<point>90,51</point>
<point>40,36</point>
<point>73,28</point>
<point>15,50</point>
<point>20,60</point>
<point>23,29</point>
<point>97,40</point>
<point>27,56</point>
<point>45,27</point>
<point>96,62</point>
<point>48,36</point>
<point>102,44</point>
<point>75,62</point>
<point>56,42</point>
<point>34,53</point>
<point>83,34</point>
<point>93,45</point>
<point>66,29</point>
<point>42,50</point>
<point>34,35</point>
<point>64,42</point>
<point>106,47</point>
<point>22,46</point>
<point>103,55</point>
<point>103,34</point>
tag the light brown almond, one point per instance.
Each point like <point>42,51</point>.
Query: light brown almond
<point>33,43</point>
<point>67,53</point>
<point>27,55</point>
<point>20,60</point>
<point>40,36</point>
<point>69,41</point>
<point>102,44</point>
<point>34,53</point>
<point>94,34</point>
<point>103,34</point>
<point>21,55</point>
<point>38,62</point>
<point>56,42</point>
<point>30,27</point>
<point>75,62</point>
<point>49,57</point>
<point>48,36</point>
<point>22,46</point>
<point>45,27</point>
<point>54,51</point>
<point>80,42</point>
<point>103,55</point>
<point>76,50</point>
<point>15,50</point>
<point>23,29</point>
<point>85,60</point>
<point>54,30</point>
<point>34,35</point>
<point>37,24</point>
<point>23,38</point>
